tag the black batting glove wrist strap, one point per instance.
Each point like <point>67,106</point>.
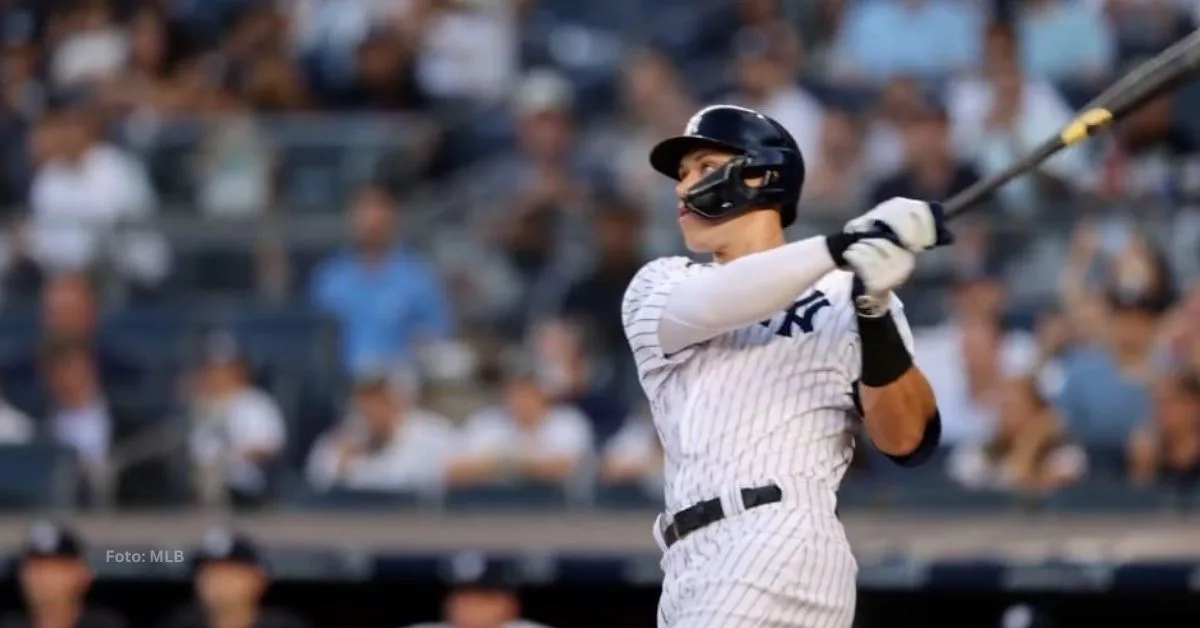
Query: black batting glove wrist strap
<point>838,243</point>
<point>885,359</point>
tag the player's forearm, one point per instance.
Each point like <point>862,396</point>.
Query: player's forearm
<point>742,292</point>
<point>900,411</point>
<point>550,468</point>
<point>473,470</point>
<point>897,416</point>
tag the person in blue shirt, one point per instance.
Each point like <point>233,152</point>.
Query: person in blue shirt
<point>880,40</point>
<point>1105,393</point>
<point>388,299</point>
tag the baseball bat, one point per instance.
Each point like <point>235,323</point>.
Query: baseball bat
<point>1165,72</point>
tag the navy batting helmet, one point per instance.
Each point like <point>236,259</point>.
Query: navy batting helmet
<point>763,148</point>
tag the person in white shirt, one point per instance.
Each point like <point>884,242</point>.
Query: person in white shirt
<point>1002,114</point>
<point>83,192</point>
<point>525,438</point>
<point>238,430</point>
<point>967,356</point>
<point>386,444</point>
<point>634,454</point>
<point>1030,451</point>
<point>16,427</point>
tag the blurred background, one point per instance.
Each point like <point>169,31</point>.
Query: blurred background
<point>345,276</point>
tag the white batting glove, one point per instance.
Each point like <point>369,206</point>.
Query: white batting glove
<point>883,266</point>
<point>913,222</point>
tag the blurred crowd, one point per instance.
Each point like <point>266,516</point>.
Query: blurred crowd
<point>473,177</point>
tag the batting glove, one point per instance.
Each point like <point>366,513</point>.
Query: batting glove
<point>916,224</point>
<point>882,266</point>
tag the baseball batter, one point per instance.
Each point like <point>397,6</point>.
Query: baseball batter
<point>758,365</point>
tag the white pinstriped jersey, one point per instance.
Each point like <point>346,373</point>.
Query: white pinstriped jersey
<point>765,402</point>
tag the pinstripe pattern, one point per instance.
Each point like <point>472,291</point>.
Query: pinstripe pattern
<point>746,408</point>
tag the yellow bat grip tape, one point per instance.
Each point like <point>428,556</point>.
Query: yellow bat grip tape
<point>1081,127</point>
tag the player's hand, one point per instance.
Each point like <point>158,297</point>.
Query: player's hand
<point>882,265</point>
<point>916,224</point>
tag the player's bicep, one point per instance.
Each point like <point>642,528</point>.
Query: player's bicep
<point>654,336</point>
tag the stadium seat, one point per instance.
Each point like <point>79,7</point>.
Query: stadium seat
<point>631,496</point>
<point>38,475</point>
<point>940,494</point>
<point>353,500</point>
<point>519,497</point>
<point>1101,497</point>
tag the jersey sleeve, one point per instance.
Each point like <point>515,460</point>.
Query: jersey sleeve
<point>642,311</point>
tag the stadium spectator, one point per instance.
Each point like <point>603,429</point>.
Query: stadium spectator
<point>1144,27</point>
<point>24,92</point>
<point>466,51</point>
<point>656,105</point>
<point>771,20</point>
<point>767,78</point>
<point>584,374</point>
<point>484,594</point>
<point>593,302</point>
<point>1179,342</point>
<point>83,196</point>
<point>90,45</point>
<point>838,175</point>
<point>388,443</point>
<point>1029,452</point>
<point>1063,40</point>
<point>237,429</point>
<point>1166,449</point>
<point>1000,115</point>
<point>387,298</point>
<point>80,416</point>
<point>541,223</point>
<point>55,580</point>
<point>930,39</point>
<point>69,313</point>
<point>155,51</point>
<point>15,426</point>
<point>931,168</point>
<point>383,79</point>
<point>968,355</point>
<point>527,438</point>
<point>899,104</point>
<point>634,454</point>
<point>230,579</point>
<point>1105,388</point>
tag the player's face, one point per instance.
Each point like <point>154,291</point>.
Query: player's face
<point>480,609</point>
<point>700,234</point>
<point>223,584</point>
<point>53,580</point>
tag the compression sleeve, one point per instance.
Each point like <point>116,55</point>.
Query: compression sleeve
<point>742,292</point>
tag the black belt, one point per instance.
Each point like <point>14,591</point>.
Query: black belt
<point>710,511</point>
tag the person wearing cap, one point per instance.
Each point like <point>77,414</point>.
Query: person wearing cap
<point>230,579</point>
<point>55,580</point>
<point>387,443</point>
<point>483,594</point>
<point>238,430</point>
<point>527,437</point>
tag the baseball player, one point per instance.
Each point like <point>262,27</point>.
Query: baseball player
<point>758,365</point>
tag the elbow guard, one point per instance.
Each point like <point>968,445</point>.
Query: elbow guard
<point>928,445</point>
